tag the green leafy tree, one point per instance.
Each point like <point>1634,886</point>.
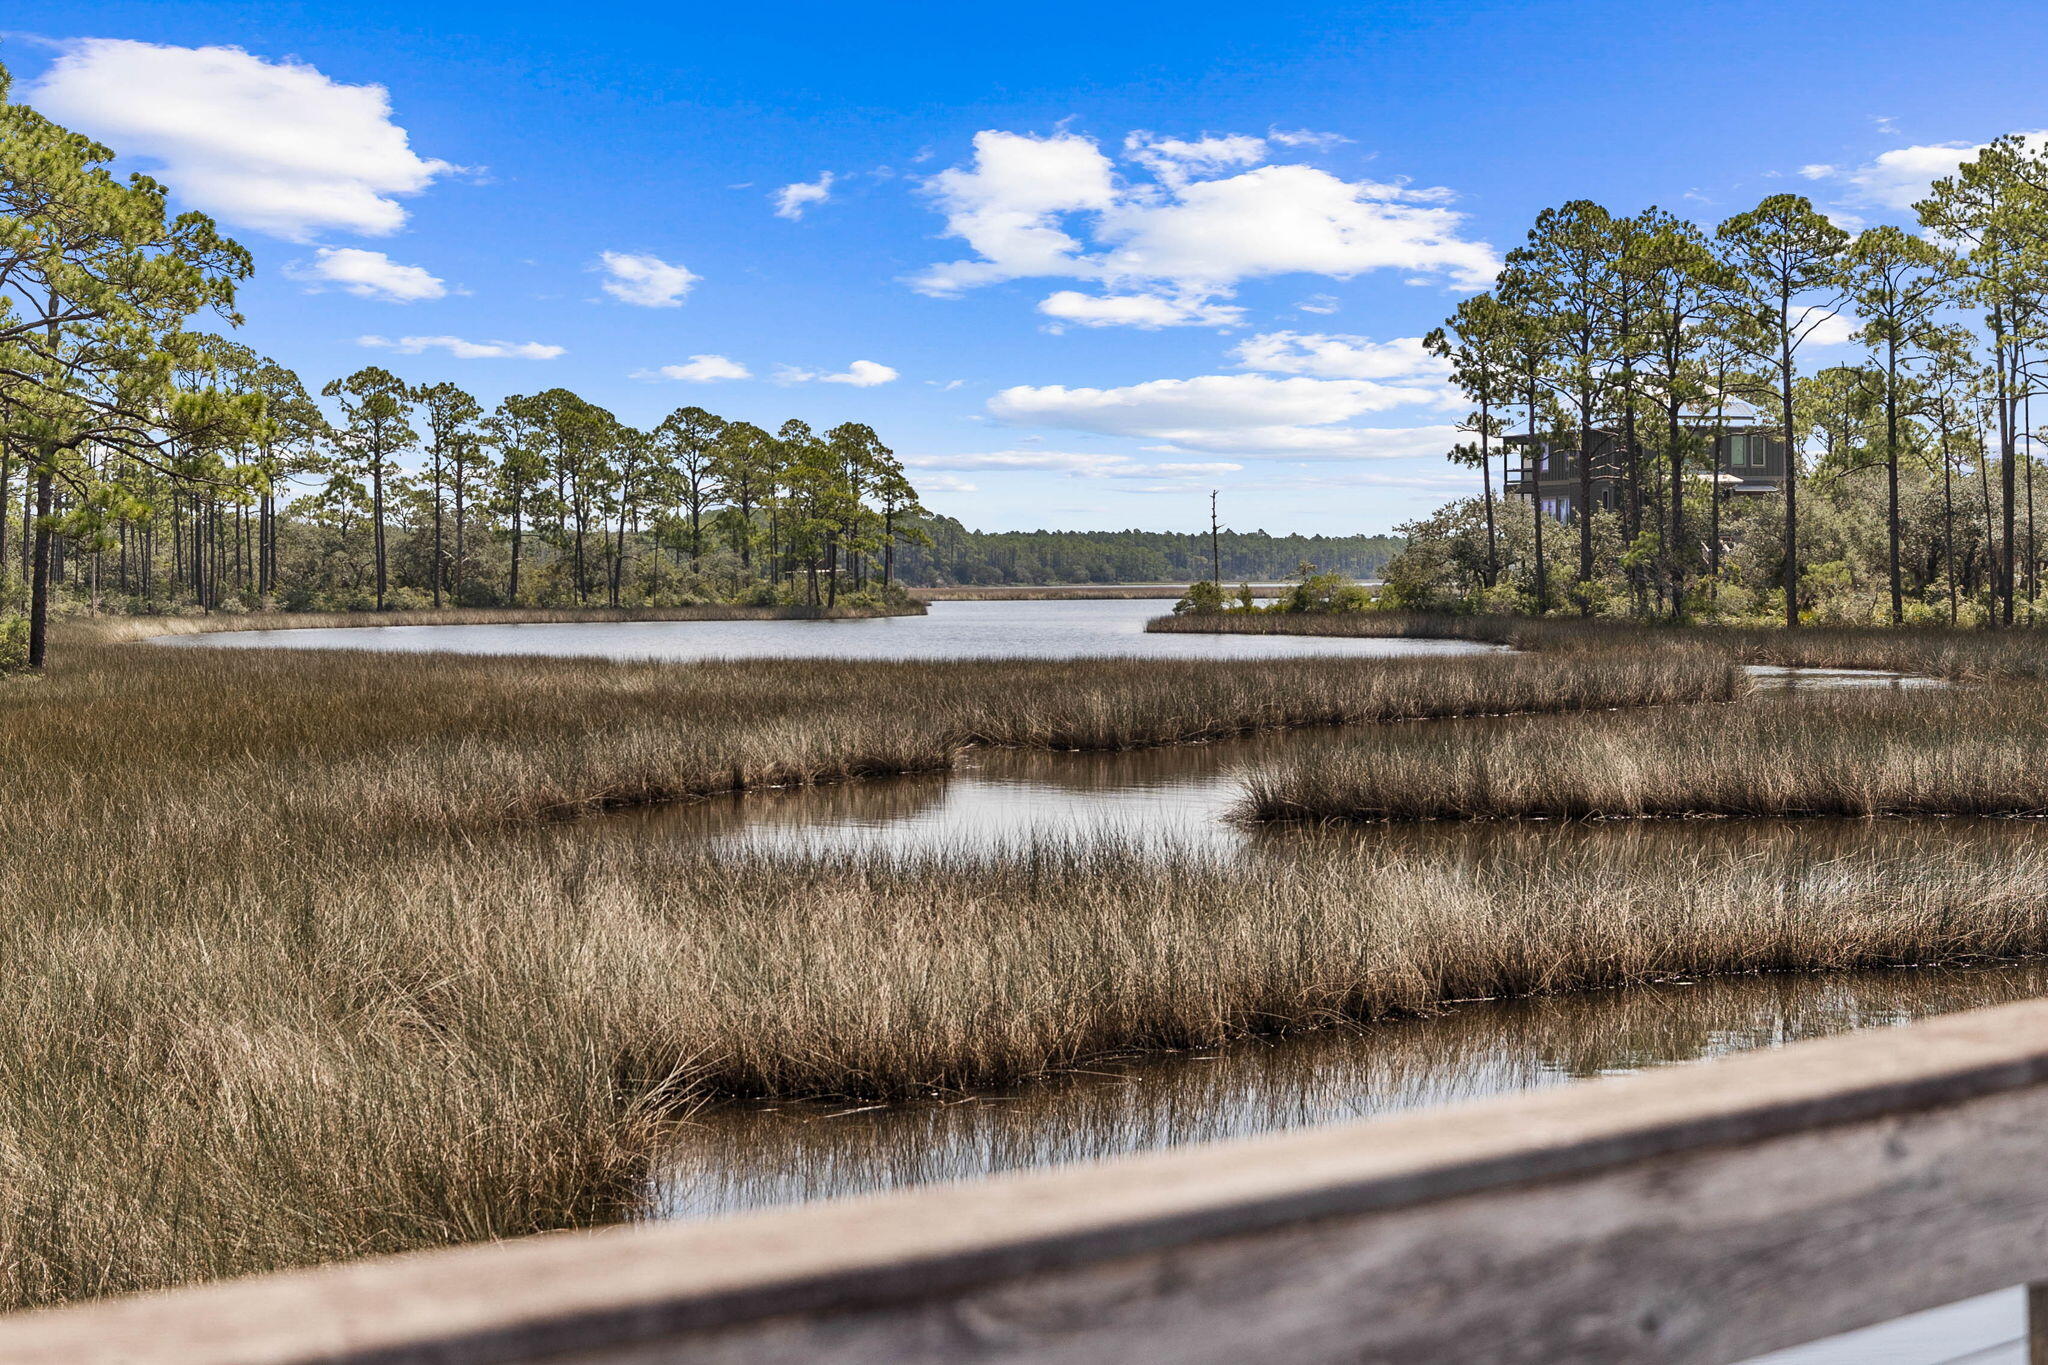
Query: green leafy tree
<point>97,284</point>
<point>685,444</point>
<point>1785,261</point>
<point>451,418</point>
<point>1895,283</point>
<point>376,428</point>
<point>1564,277</point>
<point>1478,341</point>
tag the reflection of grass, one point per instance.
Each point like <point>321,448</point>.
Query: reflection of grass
<point>1974,751</point>
<point>292,976</point>
<point>1936,652</point>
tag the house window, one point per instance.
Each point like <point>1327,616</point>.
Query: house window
<point>1747,452</point>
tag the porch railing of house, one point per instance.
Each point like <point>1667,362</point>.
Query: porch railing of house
<point>1694,1214</point>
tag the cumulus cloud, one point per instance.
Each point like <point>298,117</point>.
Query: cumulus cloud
<point>1825,327</point>
<point>1228,414</point>
<point>1208,217</point>
<point>645,281</point>
<point>1146,311</point>
<point>275,146</point>
<point>464,350</point>
<point>1903,176</point>
<point>1007,206</point>
<point>701,369</point>
<point>1176,160</point>
<point>1305,137</point>
<point>1093,464</point>
<point>861,374</point>
<point>1328,355</point>
<point>367,275</point>
<point>792,200</point>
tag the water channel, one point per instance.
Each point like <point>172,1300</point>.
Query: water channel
<point>739,1157</point>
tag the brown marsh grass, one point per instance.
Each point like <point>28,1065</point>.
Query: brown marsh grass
<point>300,967</point>
<point>1964,655</point>
<point>1842,752</point>
<point>292,1061</point>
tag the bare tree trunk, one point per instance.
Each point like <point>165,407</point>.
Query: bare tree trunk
<point>1791,487</point>
<point>39,575</point>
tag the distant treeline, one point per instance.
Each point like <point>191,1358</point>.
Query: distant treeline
<point>957,555</point>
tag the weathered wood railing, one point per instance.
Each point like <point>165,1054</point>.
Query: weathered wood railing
<point>1696,1214</point>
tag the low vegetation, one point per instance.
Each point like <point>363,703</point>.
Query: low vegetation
<point>1929,751</point>
<point>309,961</point>
<point>220,1060</point>
<point>1932,651</point>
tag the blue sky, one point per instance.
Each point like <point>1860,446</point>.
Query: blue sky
<point>1078,263</point>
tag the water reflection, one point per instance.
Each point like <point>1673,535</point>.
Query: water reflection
<point>742,1156</point>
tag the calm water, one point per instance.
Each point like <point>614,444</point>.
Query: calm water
<point>999,799</point>
<point>952,630</point>
<point>734,1158</point>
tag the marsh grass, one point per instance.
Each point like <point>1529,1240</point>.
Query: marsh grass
<point>304,961</point>
<point>1849,752</point>
<point>1963,655</point>
<point>299,1063</point>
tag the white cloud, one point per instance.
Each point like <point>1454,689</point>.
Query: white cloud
<point>1304,137</point>
<point>1830,329</point>
<point>276,146</point>
<point>861,374</point>
<point>1034,207</point>
<point>1319,303</point>
<point>1177,160</point>
<point>1136,310</point>
<point>1279,220</point>
<point>367,275</point>
<point>792,200</point>
<point>1234,414</point>
<point>1328,355</point>
<point>647,281</point>
<point>701,369</point>
<point>1006,207</point>
<point>1903,176</point>
<point>464,350</point>
<point>944,483</point>
<point>1082,464</point>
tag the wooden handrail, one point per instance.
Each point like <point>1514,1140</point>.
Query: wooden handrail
<point>1695,1214</point>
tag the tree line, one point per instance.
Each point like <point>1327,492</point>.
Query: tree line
<point>950,554</point>
<point>147,463</point>
<point>1908,489</point>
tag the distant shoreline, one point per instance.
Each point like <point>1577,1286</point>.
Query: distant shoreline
<point>1071,592</point>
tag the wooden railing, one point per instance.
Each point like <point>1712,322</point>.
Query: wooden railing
<point>1694,1214</point>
